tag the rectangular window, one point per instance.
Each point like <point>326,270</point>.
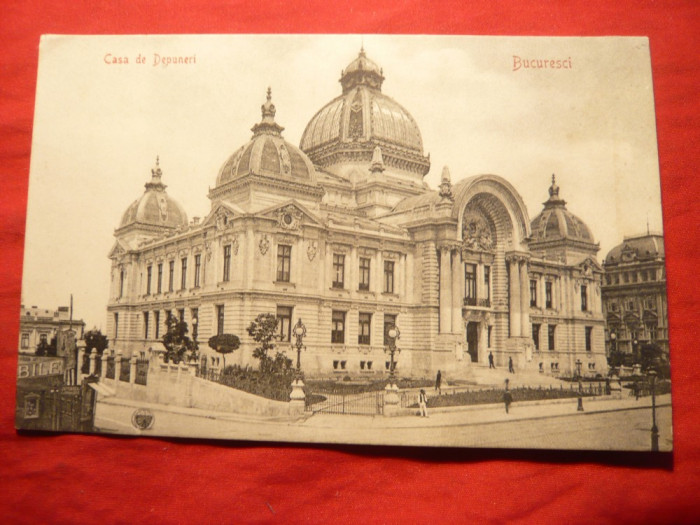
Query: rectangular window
<point>488,336</point>
<point>363,336</point>
<point>470,283</point>
<point>25,340</point>
<point>121,283</point>
<point>284,261</point>
<point>156,323</point>
<point>171,276</point>
<point>145,325</point>
<point>389,321</point>
<point>584,298</point>
<point>219,319</point>
<point>551,328</point>
<point>338,270</point>
<point>284,323</point>
<point>548,294</point>
<point>183,275</point>
<point>533,292</point>
<point>487,283</point>
<point>116,325</point>
<point>149,273</point>
<point>536,335</point>
<point>338,327</point>
<point>364,273</point>
<point>181,315</point>
<point>160,277</point>
<point>589,337</point>
<point>197,269</point>
<point>227,263</point>
<point>195,321</point>
<point>388,276</point>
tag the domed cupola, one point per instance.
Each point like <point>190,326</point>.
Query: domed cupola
<point>351,126</point>
<point>155,211</point>
<point>267,154</point>
<point>556,223</point>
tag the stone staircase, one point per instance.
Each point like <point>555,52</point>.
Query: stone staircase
<point>483,376</point>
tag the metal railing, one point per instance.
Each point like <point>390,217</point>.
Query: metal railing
<point>473,301</point>
<point>365,404</point>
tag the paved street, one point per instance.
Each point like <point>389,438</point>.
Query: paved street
<point>604,425</point>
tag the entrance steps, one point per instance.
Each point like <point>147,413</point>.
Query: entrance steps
<point>496,377</point>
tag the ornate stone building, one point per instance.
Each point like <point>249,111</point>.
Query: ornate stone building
<point>344,234</point>
<point>634,294</point>
<point>39,324</point>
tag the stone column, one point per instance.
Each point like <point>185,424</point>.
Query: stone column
<point>514,298</point>
<point>480,285</point>
<point>79,366</point>
<point>457,292</point>
<point>103,369</point>
<point>132,369</point>
<point>409,277</point>
<point>379,274</point>
<point>445,292</point>
<point>93,356</point>
<point>525,329</point>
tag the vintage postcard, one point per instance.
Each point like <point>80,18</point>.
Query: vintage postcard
<point>399,240</point>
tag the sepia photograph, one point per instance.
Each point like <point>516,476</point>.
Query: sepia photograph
<point>433,241</point>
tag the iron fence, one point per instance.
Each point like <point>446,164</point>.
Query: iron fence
<point>141,372</point>
<point>365,404</point>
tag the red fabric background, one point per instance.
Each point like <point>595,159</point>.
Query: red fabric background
<point>70,478</point>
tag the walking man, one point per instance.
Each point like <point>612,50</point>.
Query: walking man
<point>438,383</point>
<point>507,397</point>
<point>423,403</point>
<point>491,365</point>
<point>510,365</point>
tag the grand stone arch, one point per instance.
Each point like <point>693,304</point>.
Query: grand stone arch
<point>497,198</point>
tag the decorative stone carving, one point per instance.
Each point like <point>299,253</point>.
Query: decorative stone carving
<point>312,250</point>
<point>289,218</point>
<point>207,249</point>
<point>223,221</point>
<point>264,244</point>
<point>476,233</point>
<point>285,160</point>
<point>234,245</point>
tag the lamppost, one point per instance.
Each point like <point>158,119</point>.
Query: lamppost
<point>391,391</point>
<point>654,428</point>
<point>394,333</point>
<point>580,386</point>
<point>613,346</point>
<point>299,331</point>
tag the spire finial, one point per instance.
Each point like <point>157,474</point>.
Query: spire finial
<point>268,124</point>
<point>269,93</point>
<point>554,189</point>
<point>156,174</point>
<point>377,165</point>
<point>446,184</point>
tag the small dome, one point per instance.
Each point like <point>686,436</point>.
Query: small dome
<point>155,207</point>
<point>557,223</point>
<point>361,119</point>
<point>267,153</point>
<point>637,248</point>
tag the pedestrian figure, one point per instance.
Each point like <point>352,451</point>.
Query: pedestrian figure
<point>423,403</point>
<point>635,387</point>
<point>510,365</point>
<point>491,365</point>
<point>438,383</point>
<point>507,397</point>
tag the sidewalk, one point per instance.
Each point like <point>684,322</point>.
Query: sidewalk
<point>485,414</point>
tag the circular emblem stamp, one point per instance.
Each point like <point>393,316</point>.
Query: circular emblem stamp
<point>143,419</point>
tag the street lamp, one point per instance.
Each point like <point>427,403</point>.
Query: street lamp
<point>654,428</point>
<point>299,331</point>
<point>580,386</point>
<point>394,333</point>
<point>613,347</point>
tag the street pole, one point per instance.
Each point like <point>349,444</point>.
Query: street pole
<point>654,428</point>
<point>580,386</point>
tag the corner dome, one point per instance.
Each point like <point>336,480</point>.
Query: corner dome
<point>155,207</point>
<point>360,119</point>
<point>267,154</point>
<point>637,248</point>
<point>556,223</point>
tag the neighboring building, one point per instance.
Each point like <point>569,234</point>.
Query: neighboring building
<point>634,294</point>
<point>39,324</point>
<point>344,234</point>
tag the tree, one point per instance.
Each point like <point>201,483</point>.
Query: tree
<point>264,332</point>
<point>47,349</point>
<point>224,344</point>
<point>94,340</point>
<point>176,341</point>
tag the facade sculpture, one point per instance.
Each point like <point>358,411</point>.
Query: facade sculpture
<point>344,233</point>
